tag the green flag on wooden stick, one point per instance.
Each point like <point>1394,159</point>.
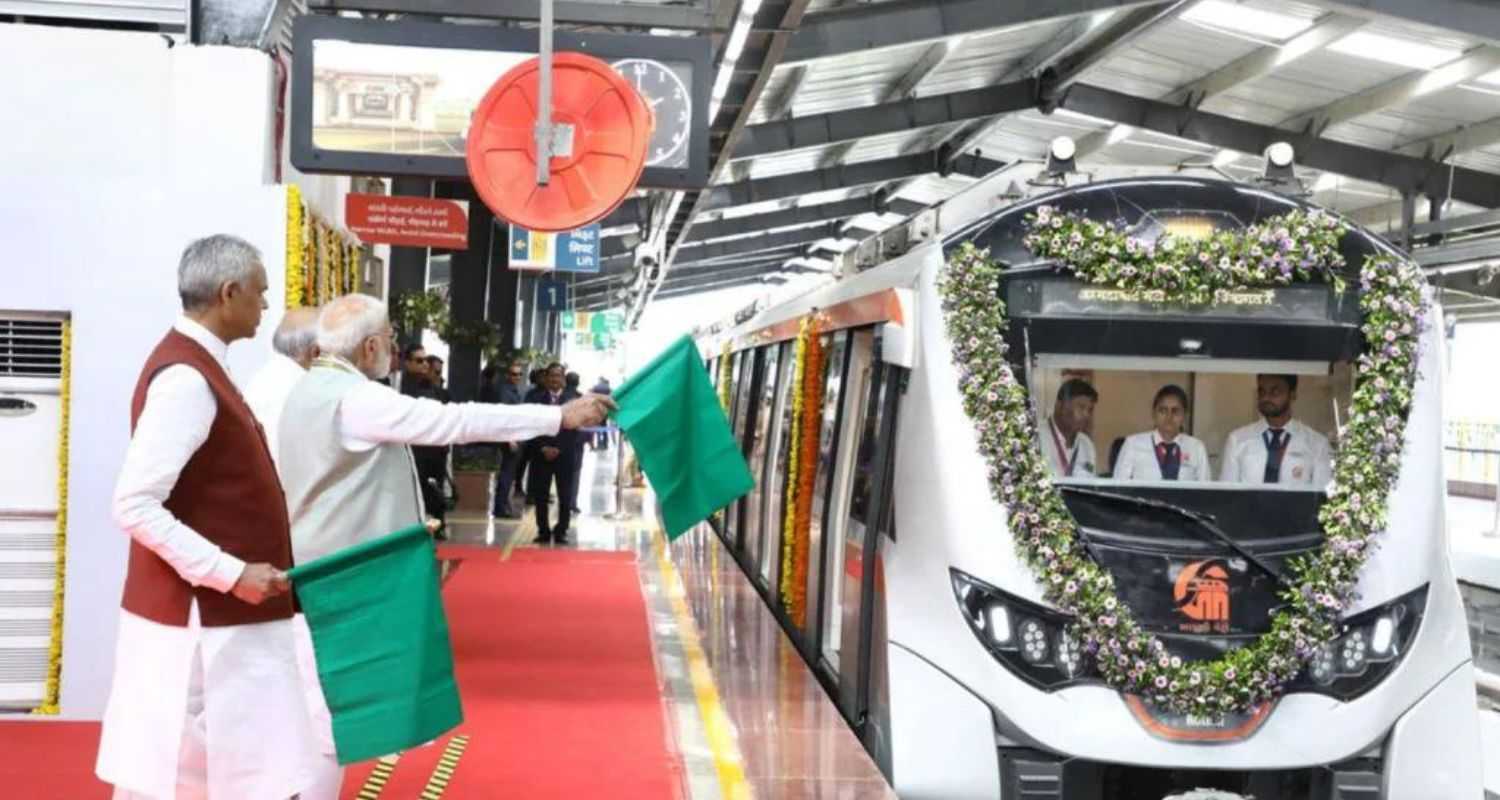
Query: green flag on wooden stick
<point>682,440</point>
<point>381,639</point>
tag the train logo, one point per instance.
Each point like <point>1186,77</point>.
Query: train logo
<point>1202,592</point>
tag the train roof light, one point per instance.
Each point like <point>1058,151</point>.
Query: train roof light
<point>1060,155</point>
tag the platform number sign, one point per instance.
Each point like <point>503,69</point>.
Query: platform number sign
<point>551,295</point>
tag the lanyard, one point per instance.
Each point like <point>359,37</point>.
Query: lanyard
<point>1067,465</point>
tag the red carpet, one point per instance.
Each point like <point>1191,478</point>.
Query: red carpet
<point>558,682</point>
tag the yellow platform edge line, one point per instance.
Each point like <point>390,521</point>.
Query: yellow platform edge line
<point>379,777</point>
<point>721,739</point>
<point>442,773</point>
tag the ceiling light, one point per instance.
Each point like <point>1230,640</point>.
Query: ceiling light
<point>736,44</point>
<point>1244,19</point>
<point>749,7</point>
<point>721,85</point>
<point>1492,79</point>
<point>1391,50</point>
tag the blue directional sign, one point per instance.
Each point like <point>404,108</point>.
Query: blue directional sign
<point>551,295</point>
<point>571,251</point>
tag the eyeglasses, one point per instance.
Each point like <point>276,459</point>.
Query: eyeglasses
<point>515,374</point>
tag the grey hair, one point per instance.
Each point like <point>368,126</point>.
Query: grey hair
<point>209,263</point>
<point>347,321</point>
<point>297,333</point>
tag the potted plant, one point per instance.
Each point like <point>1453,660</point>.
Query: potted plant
<point>473,477</point>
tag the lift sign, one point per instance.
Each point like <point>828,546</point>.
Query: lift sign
<point>571,251</point>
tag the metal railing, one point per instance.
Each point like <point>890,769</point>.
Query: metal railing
<point>1472,451</point>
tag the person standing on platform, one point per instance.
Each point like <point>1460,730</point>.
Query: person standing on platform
<point>1068,450</point>
<point>414,368</point>
<point>432,462</point>
<point>348,473</point>
<point>601,439</point>
<point>571,390</point>
<point>551,463</point>
<point>508,392</point>
<point>523,470</point>
<point>294,346</point>
<point>205,701</point>
<point>1276,448</point>
<point>439,383</point>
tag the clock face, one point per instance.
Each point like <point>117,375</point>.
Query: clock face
<point>665,88</point>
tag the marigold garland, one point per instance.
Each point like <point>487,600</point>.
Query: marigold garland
<point>296,262</point>
<point>1300,246</point>
<point>726,374</point>
<point>793,470</point>
<point>809,433</point>
<point>51,696</point>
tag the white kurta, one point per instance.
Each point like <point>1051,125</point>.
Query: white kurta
<point>1138,458</point>
<point>268,391</point>
<point>195,712</point>
<point>373,415</point>
<point>1307,461</point>
<point>1082,457</point>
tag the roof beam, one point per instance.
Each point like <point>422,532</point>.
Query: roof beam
<point>1459,140</point>
<point>753,244</point>
<point>1479,61</point>
<point>1110,40</point>
<point>801,215</point>
<point>1473,17</point>
<point>906,22</point>
<point>822,180</point>
<point>888,117</point>
<point>1402,172</point>
<point>566,12</point>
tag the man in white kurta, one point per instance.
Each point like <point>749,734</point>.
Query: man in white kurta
<point>1277,449</point>
<point>196,711</point>
<point>1068,450</point>
<point>293,348</point>
<point>347,467</point>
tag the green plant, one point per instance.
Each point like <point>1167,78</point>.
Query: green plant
<point>414,312</point>
<point>474,458</point>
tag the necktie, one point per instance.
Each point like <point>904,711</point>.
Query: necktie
<point>1275,448</point>
<point>1170,460</point>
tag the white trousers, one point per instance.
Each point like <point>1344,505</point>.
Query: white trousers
<point>328,776</point>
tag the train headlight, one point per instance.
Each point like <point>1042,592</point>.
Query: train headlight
<point>1372,644</point>
<point>1031,640</point>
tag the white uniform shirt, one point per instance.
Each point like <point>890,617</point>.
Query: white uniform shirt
<point>1081,455</point>
<point>1138,458</point>
<point>268,391</point>
<point>1307,460</point>
<point>228,669</point>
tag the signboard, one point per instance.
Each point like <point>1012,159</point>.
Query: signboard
<point>572,251</point>
<point>372,97</point>
<point>551,295</point>
<point>408,221</point>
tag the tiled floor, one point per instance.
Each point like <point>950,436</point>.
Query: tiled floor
<point>764,728</point>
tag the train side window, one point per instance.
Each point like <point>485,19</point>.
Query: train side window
<point>757,447</point>
<point>776,474</point>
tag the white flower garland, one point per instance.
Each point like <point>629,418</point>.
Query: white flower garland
<point>1301,246</point>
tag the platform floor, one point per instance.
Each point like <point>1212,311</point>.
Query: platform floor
<point>749,717</point>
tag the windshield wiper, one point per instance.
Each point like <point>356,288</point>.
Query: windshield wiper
<point>1207,522</point>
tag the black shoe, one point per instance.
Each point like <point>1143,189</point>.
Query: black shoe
<point>575,510</point>
<point>503,513</point>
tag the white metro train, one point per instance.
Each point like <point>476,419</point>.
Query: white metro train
<point>932,632</point>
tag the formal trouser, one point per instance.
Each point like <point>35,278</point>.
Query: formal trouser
<point>523,462</point>
<point>510,461</point>
<point>577,478</point>
<point>544,474</point>
<point>432,472</point>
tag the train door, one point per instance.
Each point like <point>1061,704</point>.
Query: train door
<point>836,346</point>
<point>756,451</point>
<point>729,527</point>
<point>852,407</point>
<point>745,417</point>
<point>775,475</point>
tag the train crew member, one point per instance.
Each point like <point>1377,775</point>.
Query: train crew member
<point>206,700</point>
<point>347,469</point>
<point>1165,453</point>
<point>1277,448</point>
<point>1068,450</point>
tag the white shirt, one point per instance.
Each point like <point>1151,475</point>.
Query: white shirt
<point>164,674</point>
<point>1081,455</point>
<point>373,413</point>
<point>268,392</point>
<point>1307,460</point>
<point>1138,462</point>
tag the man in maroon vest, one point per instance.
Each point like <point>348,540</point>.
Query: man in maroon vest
<point>206,701</point>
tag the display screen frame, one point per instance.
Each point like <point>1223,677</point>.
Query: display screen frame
<point>306,157</point>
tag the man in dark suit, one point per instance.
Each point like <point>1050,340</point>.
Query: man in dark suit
<point>551,460</point>
<point>508,392</point>
<point>572,389</point>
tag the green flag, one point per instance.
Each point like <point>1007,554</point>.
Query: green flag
<point>382,646</point>
<point>670,414</point>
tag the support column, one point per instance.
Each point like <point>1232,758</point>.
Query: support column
<point>408,267</point>
<point>505,285</point>
<point>466,289</point>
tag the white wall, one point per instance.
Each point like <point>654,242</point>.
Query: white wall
<point>129,149</point>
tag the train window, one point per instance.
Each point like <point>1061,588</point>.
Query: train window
<point>1266,425</point>
<point>756,448</point>
<point>731,512</point>
<point>776,466</point>
<point>849,499</point>
<point>836,346</point>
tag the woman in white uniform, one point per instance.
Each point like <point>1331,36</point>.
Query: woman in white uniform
<point>1164,453</point>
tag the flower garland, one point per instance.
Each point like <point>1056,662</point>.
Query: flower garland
<point>809,430</point>
<point>52,694</point>
<point>1297,246</point>
<point>296,263</point>
<point>793,470</point>
<point>726,374</point>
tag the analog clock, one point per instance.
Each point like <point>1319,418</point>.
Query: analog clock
<point>665,89</point>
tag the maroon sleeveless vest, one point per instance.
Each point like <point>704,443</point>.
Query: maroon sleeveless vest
<point>228,492</point>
